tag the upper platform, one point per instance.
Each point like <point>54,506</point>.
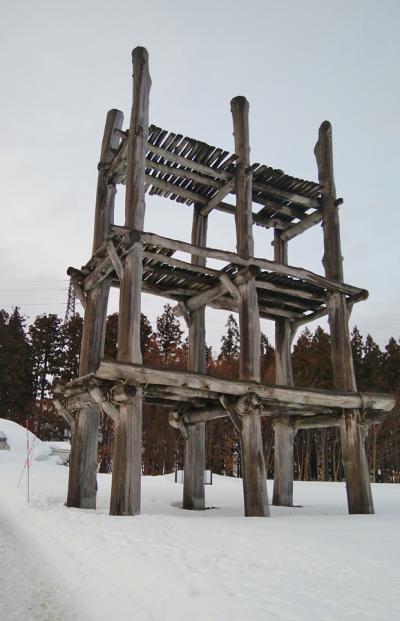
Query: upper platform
<point>192,172</point>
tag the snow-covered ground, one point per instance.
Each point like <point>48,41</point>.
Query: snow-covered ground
<point>312,562</point>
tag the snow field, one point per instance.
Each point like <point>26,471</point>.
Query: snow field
<point>312,562</point>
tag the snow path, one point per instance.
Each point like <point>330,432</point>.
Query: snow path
<point>28,591</point>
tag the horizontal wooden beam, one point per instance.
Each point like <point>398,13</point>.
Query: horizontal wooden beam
<point>259,220</point>
<point>293,292</point>
<point>353,299</point>
<point>231,257</point>
<point>184,161</point>
<point>166,186</point>
<point>183,172</point>
<point>333,420</point>
<point>138,374</point>
<point>296,229</point>
<point>292,197</point>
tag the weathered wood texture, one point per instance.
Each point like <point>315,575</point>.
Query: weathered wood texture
<point>127,455</point>
<point>83,458</point>
<point>355,463</point>
<point>210,387</point>
<point>231,257</point>
<point>193,480</point>
<point>252,454</point>
<point>283,428</point>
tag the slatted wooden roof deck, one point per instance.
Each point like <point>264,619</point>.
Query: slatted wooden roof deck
<point>190,171</point>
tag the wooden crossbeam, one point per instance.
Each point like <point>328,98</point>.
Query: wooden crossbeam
<point>298,228</point>
<point>183,172</point>
<point>184,161</point>
<point>139,375</point>
<point>166,186</point>
<point>285,195</point>
<point>295,293</point>
<point>231,257</point>
<point>218,197</point>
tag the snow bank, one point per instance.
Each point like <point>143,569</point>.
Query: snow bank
<point>16,440</point>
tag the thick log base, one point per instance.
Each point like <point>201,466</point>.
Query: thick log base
<point>127,458</point>
<point>193,485</point>
<point>82,484</point>
<point>253,467</point>
<point>358,486</point>
<point>284,434</point>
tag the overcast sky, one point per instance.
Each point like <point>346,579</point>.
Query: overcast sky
<point>298,62</point>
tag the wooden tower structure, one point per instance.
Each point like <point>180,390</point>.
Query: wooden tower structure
<point>149,159</point>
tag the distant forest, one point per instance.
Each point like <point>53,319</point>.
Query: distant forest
<point>30,357</point>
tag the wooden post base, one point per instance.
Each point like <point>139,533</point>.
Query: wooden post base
<point>358,486</point>
<point>283,464</point>
<point>82,485</point>
<point>127,458</point>
<point>193,483</point>
<point>253,467</point>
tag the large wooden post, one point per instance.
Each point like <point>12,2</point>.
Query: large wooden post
<point>252,453</point>
<point>355,463</point>
<point>83,460</point>
<point>193,482</point>
<point>283,430</point>
<point>127,455</point>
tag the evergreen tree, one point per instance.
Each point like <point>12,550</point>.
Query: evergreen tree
<point>391,366</point>
<point>301,357</point>
<point>47,343</point>
<point>357,347</point>
<point>371,367</point>
<point>230,342</point>
<point>72,336</point>
<point>111,338</point>
<point>267,359</point>
<point>169,333</point>
<point>16,385</point>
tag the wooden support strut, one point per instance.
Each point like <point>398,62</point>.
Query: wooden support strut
<point>252,453</point>
<point>358,487</point>
<point>83,459</point>
<point>127,454</point>
<point>284,432</point>
<point>226,285</point>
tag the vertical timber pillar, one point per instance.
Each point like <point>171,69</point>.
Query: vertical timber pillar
<point>354,457</point>
<point>283,430</point>
<point>127,455</point>
<point>193,482</point>
<point>252,452</point>
<point>83,460</point>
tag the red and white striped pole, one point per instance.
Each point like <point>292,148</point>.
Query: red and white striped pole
<point>27,454</point>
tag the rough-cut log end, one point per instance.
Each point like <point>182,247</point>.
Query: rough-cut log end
<point>325,127</point>
<point>324,138</point>
<point>239,104</point>
<point>140,53</point>
<point>140,62</point>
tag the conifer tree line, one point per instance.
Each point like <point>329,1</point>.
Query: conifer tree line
<point>31,356</point>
